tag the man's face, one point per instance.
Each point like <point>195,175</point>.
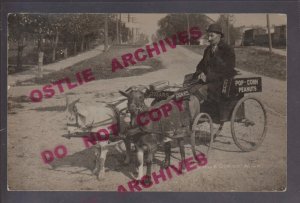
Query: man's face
<point>214,38</point>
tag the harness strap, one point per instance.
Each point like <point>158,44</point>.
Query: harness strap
<point>117,115</point>
<point>104,122</point>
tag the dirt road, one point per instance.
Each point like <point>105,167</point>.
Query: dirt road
<point>25,75</point>
<point>34,127</point>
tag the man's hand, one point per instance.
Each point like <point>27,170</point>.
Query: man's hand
<point>203,77</point>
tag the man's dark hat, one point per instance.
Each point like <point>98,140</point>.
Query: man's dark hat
<point>215,28</point>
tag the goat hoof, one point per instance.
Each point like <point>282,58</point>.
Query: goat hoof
<point>96,171</point>
<point>100,176</point>
<point>166,164</point>
<point>147,181</point>
<point>183,167</point>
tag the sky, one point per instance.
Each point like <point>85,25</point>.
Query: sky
<point>148,22</point>
<point>255,19</point>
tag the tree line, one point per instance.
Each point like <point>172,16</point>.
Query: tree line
<point>178,22</point>
<point>56,33</point>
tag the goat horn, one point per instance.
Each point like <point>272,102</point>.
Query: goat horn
<point>130,88</point>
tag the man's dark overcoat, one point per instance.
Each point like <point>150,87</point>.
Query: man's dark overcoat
<point>217,66</point>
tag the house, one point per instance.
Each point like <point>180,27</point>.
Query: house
<point>279,35</point>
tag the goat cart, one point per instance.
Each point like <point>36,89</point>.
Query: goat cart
<point>245,112</point>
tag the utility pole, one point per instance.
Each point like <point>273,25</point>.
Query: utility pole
<point>188,28</point>
<point>120,30</point>
<point>132,31</point>
<point>228,37</point>
<point>269,34</point>
<point>129,34</point>
<point>106,33</point>
<point>117,29</point>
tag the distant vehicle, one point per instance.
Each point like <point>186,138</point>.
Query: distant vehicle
<point>259,36</point>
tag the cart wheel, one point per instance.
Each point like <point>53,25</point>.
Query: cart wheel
<point>203,129</point>
<point>248,123</point>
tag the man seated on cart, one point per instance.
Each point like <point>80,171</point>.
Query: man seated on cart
<point>217,64</point>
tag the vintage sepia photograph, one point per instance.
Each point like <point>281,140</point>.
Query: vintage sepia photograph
<point>142,102</point>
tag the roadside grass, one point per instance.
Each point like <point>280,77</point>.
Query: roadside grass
<point>255,61</point>
<point>101,67</point>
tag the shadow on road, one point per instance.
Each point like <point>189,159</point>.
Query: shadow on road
<point>87,159</point>
<point>114,161</point>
